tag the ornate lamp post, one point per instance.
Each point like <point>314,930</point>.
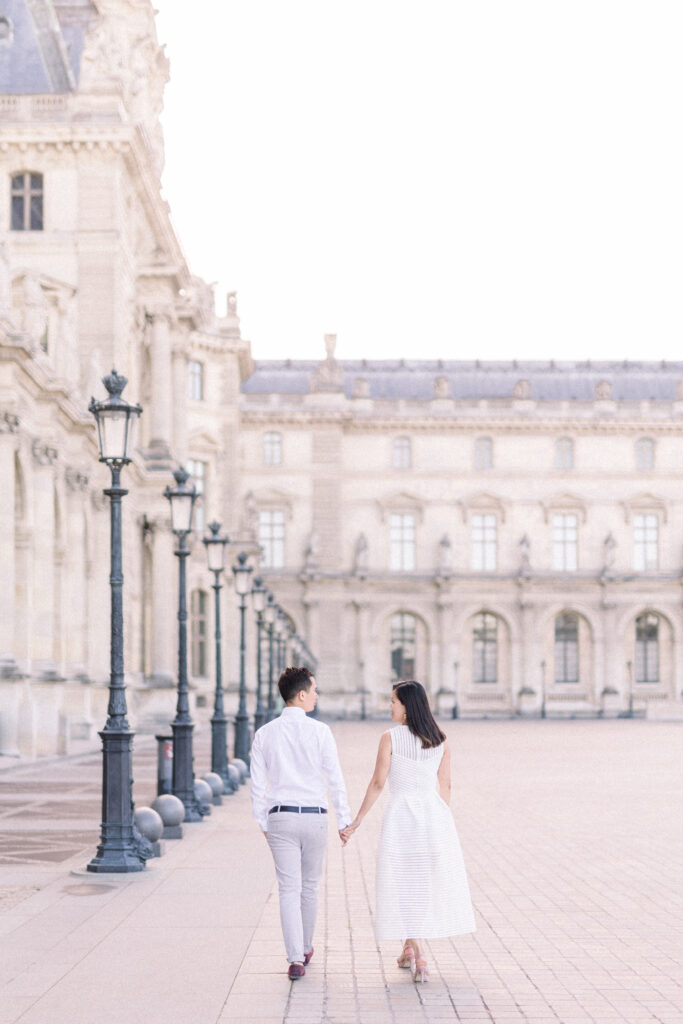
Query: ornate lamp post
<point>215,546</point>
<point>258,596</point>
<point>280,630</point>
<point>182,498</point>
<point>242,573</point>
<point>269,614</point>
<point>120,849</point>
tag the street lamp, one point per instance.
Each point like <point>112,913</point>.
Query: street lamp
<point>258,596</point>
<point>215,545</point>
<point>242,573</point>
<point>121,847</point>
<point>269,614</point>
<point>182,498</point>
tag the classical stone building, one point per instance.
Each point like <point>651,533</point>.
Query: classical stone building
<point>92,276</point>
<point>510,534</point>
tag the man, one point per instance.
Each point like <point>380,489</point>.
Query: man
<point>293,762</point>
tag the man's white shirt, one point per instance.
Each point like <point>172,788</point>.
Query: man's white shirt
<point>294,761</point>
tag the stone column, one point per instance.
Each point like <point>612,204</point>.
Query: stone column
<point>180,404</point>
<point>161,412</point>
<point>7,543</point>
<point>43,626</point>
<point>447,655</point>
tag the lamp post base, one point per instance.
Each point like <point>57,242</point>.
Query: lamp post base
<point>119,850</point>
<point>183,770</point>
<point>242,737</point>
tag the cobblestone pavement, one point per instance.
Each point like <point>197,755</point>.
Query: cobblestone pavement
<point>572,837</point>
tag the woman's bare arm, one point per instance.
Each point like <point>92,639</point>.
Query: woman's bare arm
<point>379,777</point>
<point>444,774</point>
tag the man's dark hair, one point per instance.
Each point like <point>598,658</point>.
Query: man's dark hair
<point>292,680</point>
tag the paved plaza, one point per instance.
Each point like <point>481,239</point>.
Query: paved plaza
<point>572,834</point>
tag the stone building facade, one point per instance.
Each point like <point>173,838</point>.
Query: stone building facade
<point>510,534</point>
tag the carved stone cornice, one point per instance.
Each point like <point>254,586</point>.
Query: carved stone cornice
<point>43,454</point>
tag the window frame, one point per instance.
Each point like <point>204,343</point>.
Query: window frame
<point>402,453</point>
<point>642,654</point>
<point>483,543</point>
<point>485,637</point>
<point>645,454</point>
<point>400,637</point>
<point>483,453</point>
<point>199,632</point>
<point>26,193</point>
<point>402,541</point>
<point>564,543</point>
<point>645,548</point>
<point>271,537</point>
<point>564,453</point>
<point>195,380</point>
<point>272,448</point>
<point>566,637</point>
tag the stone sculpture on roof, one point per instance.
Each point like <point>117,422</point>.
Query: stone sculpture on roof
<point>328,375</point>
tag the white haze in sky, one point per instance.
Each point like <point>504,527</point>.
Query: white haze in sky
<point>432,179</point>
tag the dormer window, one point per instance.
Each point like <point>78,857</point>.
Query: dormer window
<point>27,201</point>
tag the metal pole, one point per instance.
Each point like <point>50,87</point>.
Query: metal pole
<point>242,719</point>
<point>260,715</point>
<point>219,721</point>
<point>182,725</point>
<point>270,712</point>
<point>456,710</point>
<point>121,847</point>
<point>543,715</point>
<point>630,689</point>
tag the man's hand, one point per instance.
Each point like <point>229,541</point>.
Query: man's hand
<point>346,833</point>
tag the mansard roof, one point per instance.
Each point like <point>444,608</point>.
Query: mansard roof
<point>470,380</point>
<point>41,44</point>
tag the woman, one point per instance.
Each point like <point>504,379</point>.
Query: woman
<point>422,889</point>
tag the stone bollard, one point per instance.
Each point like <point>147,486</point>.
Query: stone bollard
<point>149,824</point>
<point>217,787</point>
<point>241,767</point>
<point>235,777</point>
<point>172,812</point>
<point>203,795</point>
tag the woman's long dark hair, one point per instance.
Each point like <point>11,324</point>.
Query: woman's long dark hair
<point>419,717</point>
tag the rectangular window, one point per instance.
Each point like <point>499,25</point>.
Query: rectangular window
<point>564,453</point>
<point>484,543</point>
<point>401,453</point>
<point>197,470</point>
<point>647,649</point>
<point>483,453</point>
<point>402,542</point>
<point>566,648</point>
<point>645,541</point>
<point>27,202</point>
<point>271,537</point>
<point>485,649</point>
<point>645,454</point>
<point>565,542</point>
<point>272,448</point>
<point>195,380</point>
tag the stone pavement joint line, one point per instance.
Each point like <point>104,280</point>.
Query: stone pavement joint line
<point>570,830</point>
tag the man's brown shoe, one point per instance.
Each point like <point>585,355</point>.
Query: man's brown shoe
<point>296,971</point>
<point>308,956</point>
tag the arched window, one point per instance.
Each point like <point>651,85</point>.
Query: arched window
<point>27,201</point>
<point>401,453</point>
<point>645,453</point>
<point>403,646</point>
<point>483,453</point>
<point>272,448</point>
<point>647,649</point>
<point>485,648</point>
<point>199,604</point>
<point>564,453</point>
<point>567,648</point>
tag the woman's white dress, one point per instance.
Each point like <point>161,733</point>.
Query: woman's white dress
<point>421,885</point>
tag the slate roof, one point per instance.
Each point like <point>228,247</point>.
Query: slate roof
<point>43,50</point>
<point>414,379</point>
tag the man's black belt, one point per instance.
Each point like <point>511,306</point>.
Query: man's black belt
<point>298,810</point>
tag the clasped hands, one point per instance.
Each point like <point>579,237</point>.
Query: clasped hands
<point>346,833</point>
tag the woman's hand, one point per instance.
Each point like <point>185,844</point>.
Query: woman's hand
<point>347,832</point>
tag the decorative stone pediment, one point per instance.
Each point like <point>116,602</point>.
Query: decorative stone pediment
<point>645,502</point>
<point>481,503</point>
<point>270,497</point>
<point>564,502</point>
<point>401,501</point>
<point>202,441</point>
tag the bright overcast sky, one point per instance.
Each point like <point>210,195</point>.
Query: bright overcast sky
<point>483,179</point>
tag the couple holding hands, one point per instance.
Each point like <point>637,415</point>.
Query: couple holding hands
<point>421,885</point>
